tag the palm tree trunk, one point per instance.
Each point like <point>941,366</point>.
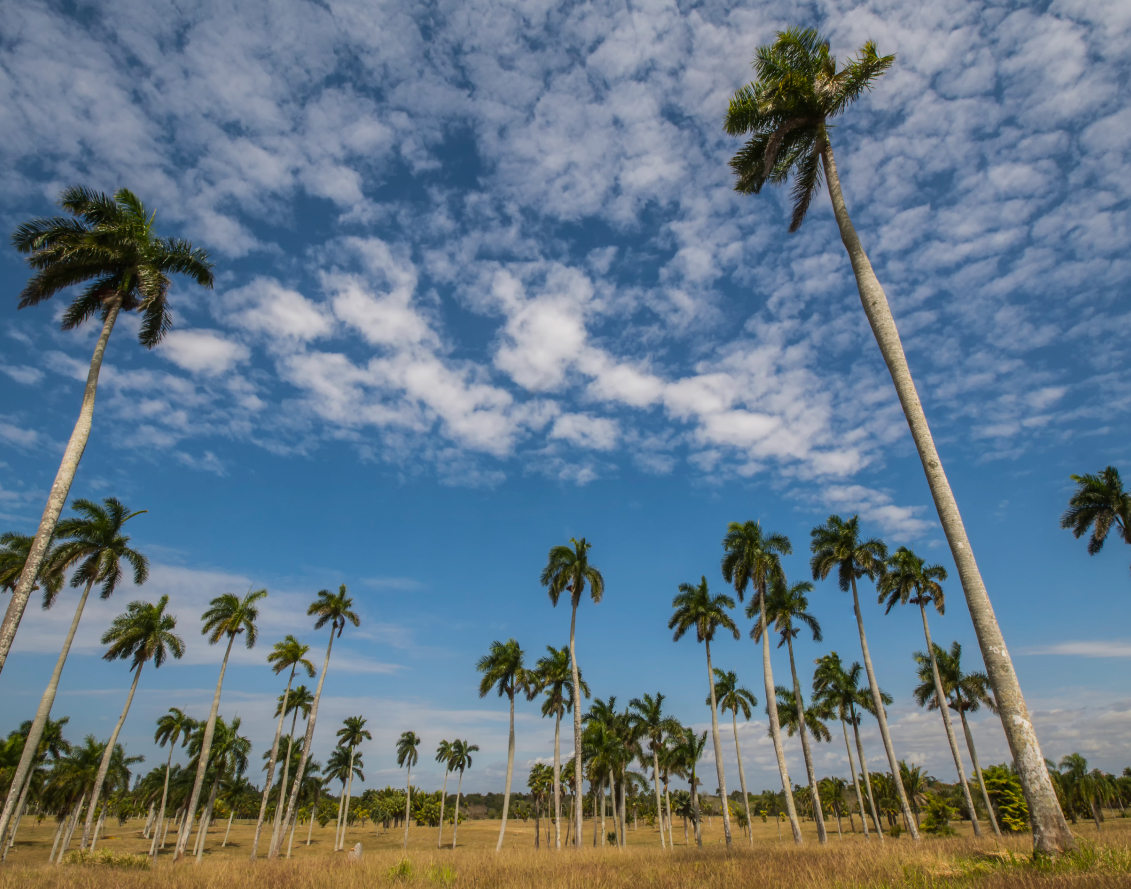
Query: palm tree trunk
<point>271,766</point>
<point>35,733</point>
<point>408,803</point>
<point>718,746</point>
<point>58,836</point>
<point>598,790</point>
<point>455,819</point>
<point>443,799</point>
<point>231,815</point>
<point>558,780</point>
<point>338,820</point>
<point>60,489</point>
<point>818,812</point>
<point>313,812</point>
<point>610,785</point>
<point>622,795</point>
<point>742,777</point>
<point>1050,831</point>
<point>104,766</point>
<point>668,802</point>
<point>310,720</point>
<point>577,770</point>
<point>164,798</point>
<point>510,773</point>
<point>71,829</point>
<point>659,804</point>
<point>867,778</point>
<point>881,715</point>
<point>346,809</point>
<point>21,807</point>
<point>202,764</point>
<point>206,819</point>
<point>291,841</point>
<point>978,769</point>
<point>775,724</point>
<point>855,782</point>
<point>695,809</point>
<point>276,827</point>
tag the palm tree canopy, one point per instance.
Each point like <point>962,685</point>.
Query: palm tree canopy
<point>406,749</point>
<point>731,696</point>
<point>785,608</point>
<point>144,633</point>
<point>751,556</point>
<point>94,541</point>
<point>554,679</point>
<point>109,244</point>
<point>964,691</point>
<point>569,569</point>
<point>14,549</point>
<point>785,112</point>
<point>1098,503</point>
<point>646,718</point>
<point>172,725</point>
<point>696,607</point>
<point>338,765</point>
<point>907,578</point>
<point>503,667</point>
<point>444,754</point>
<point>815,716</point>
<point>290,652</point>
<point>229,615</point>
<point>839,691</point>
<point>353,732</point>
<point>300,698</point>
<point>334,609</point>
<point>837,544</point>
<point>461,754</point>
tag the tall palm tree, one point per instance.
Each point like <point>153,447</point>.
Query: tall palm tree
<point>729,695</point>
<point>92,540</point>
<point>837,544</point>
<point>1098,504</point>
<point>289,653</point>
<point>787,606</point>
<point>687,753</point>
<point>111,246</point>
<point>407,756</point>
<point>786,113</point>
<point>461,761</point>
<point>503,670</point>
<point>350,736</point>
<point>569,570</point>
<point>964,693</point>
<point>838,690</point>
<point>696,607</point>
<point>224,758</point>
<point>335,609</point>
<point>299,702</point>
<point>753,558</point>
<point>173,725</point>
<point>554,676</point>
<point>444,756</point>
<point>227,615</point>
<point>14,550</point>
<point>910,580</point>
<point>144,633</point>
<point>648,721</point>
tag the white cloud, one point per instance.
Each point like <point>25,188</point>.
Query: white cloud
<point>203,351</point>
<point>1083,648</point>
<point>876,506</point>
<point>598,433</point>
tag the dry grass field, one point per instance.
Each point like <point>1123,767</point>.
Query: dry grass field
<point>846,863</point>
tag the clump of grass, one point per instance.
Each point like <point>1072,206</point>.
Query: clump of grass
<point>441,874</point>
<point>108,858</point>
<point>400,872</point>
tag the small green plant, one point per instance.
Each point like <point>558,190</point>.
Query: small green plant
<point>611,837</point>
<point>937,820</point>
<point>108,858</point>
<point>1004,790</point>
<point>441,875</point>
<point>896,831</point>
<point>402,870</point>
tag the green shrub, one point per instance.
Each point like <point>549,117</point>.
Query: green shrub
<point>108,858</point>
<point>402,870</point>
<point>442,875</point>
<point>937,820</point>
<point>1004,790</point>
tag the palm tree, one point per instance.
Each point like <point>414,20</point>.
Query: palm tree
<point>407,755</point>
<point>963,692</point>
<point>787,607</point>
<point>112,245</point>
<point>1098,503</point>
<point>144,633</point>
<point>786,114</point>
<point>350,735</point>
<point>173,725</point>
<point>51,744</point>
<point>729,695</point>
<point>837,544</point>
<point>335,609</point>
<point>299,702</point>
<point>444,756</point>
<point>648,721</point>
<point>93,540</point>
<point>687,753</point>
<point>461,760</point>
<point>225,757</point>
<point>14,550</point>
<point>569,569</point>
<point>909,580</point>
<point>838,690</point>
<point>696,607</point>
<point>289,653</point>
<point>554,675</point>
<point>753,558</point>
<point>503,670</point>
<point>227,615</point>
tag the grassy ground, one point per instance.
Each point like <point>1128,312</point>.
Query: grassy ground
<point>1104,860</point>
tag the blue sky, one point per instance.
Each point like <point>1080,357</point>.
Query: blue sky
<point>483,285</point>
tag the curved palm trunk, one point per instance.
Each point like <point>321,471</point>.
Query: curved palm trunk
<point>231,815</point>
<point>276,828</point>
<point>338,820</point>
<point>202,764</point>
<point>21,808</point>
<point>292,802</point>
<point>271,766</point>
<point>72,821</point>
<point>867,779</point>
<point>815,799</point>
<point>558,780</point>
<point>443,799</point>
<point>35,733</point>
<point>104,766</point>
<point>1050,831</point>
<point>659,804</point>
<point>577,770</point>
<point>60,488</point>
<point>882,717</point>
<point>455,819</point>
<point>718,747</point>
<point>346,809</point>
<point>407,804</point>
<point>775,724</point>
<point>510,773</point>
<point>977,768</point>
<point>206,820</point>
<point>855,783</point>
<point>742,778</point>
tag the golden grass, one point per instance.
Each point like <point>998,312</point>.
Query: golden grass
<point>848,863</point>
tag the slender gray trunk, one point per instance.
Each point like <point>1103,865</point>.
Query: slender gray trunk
<point>206,818</point>
<point>1050,831</point>
<point>291,841</point>
<point>775,724</point>
<point>346,808</point>
<point>818,813</point>
<point>668,803</point>
<point>558,780</point>
<point>148,821</point>
<point>577,770</point>
<point>718,746</point>
<point>231,815</point>
<point>58,836</point>
<point>659,804</point>
<point>978,769</point>
<point>510,772</point>
<point>276,826</point>
<point>855,782</point>
<point>164,798</point>
<point>60,489</point>
<point>271,766</point>
<point>695,809</point>
<point>455,820</point>
<point>742,778</point>
<point>313,812</point>
<point>104,766</point>
<point>98,828</point>
<point>21,807</point>
<point>408,802</point>
<point>443,800</point>
<point>71,829</point>
<point>867,779</point>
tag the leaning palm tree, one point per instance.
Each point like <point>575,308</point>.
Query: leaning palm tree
<point>787,606</point>
<point>335,609</point>
<point>227,615</point>
<point>52,745</point>
<point>554,676</point>
<point>696,607</point>
<point>753,558</point>
<point>1098,504</point>
<point>350,736</point>
<point>502,669</point>
<point>443,756</point>
<point>838,691</point>
<point>786,113</point>
<point>144,633</point>
<point>407,756</point>
<point>729,695</point>
<point>289,653</point>
<point>92,540</point>
<point>569,569</point>
<point>909,580</point>
<point>173,725</point>
<point>461,761</point>
<point>109,245</point>
<point>648,722</point>
<point>837,544</point>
